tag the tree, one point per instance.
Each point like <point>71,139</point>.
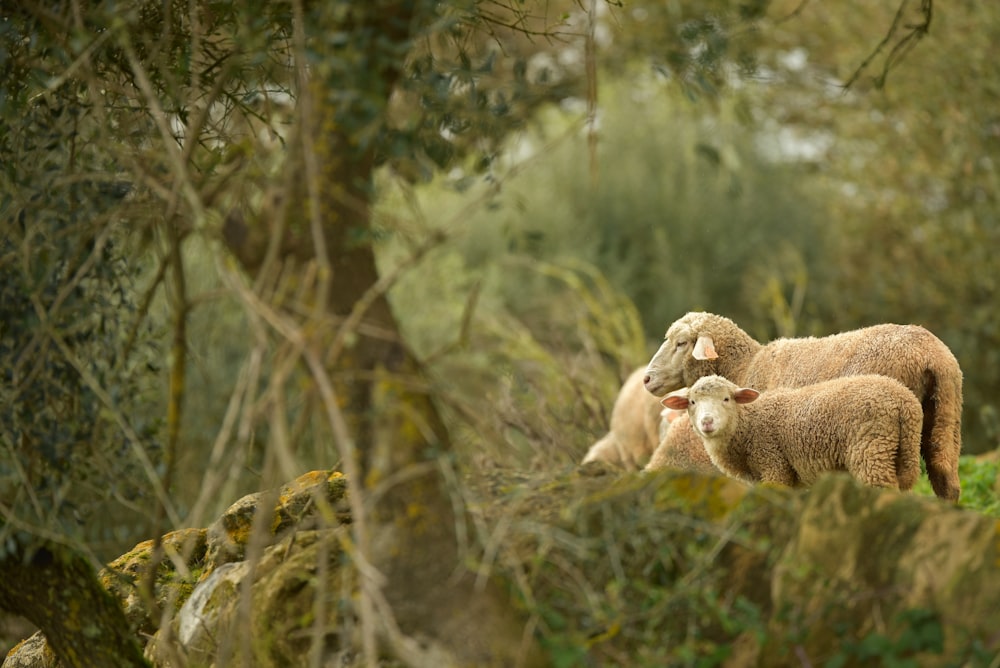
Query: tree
<point>159,89</point>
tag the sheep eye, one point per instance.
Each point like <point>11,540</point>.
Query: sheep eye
<point>681,344</point>
<point>724,399</point>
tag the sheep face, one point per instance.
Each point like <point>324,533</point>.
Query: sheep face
<point>684,356</point>
<point>711,404</point>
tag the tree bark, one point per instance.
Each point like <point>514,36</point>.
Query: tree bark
<point>395,423</point>
<point>56,589</point>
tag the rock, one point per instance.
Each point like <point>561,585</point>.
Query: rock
<point>192,556</point>
<point>179,569</point>
<point>293,504</point>
<point>269,613</point>
<point>34,652</point>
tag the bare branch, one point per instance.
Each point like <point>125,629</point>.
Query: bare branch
<point>915,32</point>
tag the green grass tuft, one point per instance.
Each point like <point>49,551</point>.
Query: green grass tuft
<point>979,484</point>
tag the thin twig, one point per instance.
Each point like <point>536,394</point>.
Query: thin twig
<point>792,14</point>
<point>901,48</point>
<point>309,127</point>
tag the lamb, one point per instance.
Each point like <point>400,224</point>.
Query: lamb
<point>866,425</point>
<point>702,344</point>
<point>636,425</point>
<point>680,447</point>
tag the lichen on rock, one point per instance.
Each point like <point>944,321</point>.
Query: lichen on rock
<point>311,495</point>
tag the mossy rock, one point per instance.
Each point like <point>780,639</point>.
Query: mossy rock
<point>311,495</point>
<point>272,612</point>
<point>178,570</point>
<point>33,652</point>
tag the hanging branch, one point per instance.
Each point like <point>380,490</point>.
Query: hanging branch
<point>914,33</point>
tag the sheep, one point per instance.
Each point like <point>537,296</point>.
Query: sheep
<point>680,447</point>
<point>636,425</point>
<point>701,344</point>
<point>866,425</point>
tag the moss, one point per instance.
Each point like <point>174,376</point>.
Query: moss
<point>714,496</point>
<point>996,544</point>
<point>123,575</point>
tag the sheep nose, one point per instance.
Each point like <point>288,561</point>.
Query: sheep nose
<point>707,424</point>
<point>646,379</point>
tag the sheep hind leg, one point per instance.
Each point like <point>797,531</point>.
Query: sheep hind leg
<point>876,465</point>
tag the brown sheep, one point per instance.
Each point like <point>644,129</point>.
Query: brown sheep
<point>701,344</point>
<point>635,427</point>
<point>867,425</point>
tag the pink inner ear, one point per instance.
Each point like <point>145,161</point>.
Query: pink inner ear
<point>745,395</point>
<point>704,348</point>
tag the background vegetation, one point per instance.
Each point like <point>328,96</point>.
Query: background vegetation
<point>546,201</point>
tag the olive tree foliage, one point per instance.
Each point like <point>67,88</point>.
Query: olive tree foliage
<point>80,453</point>
<point>79,418</point>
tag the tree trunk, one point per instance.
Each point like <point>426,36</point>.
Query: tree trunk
<point>395,424</point>
<point>57,590</point>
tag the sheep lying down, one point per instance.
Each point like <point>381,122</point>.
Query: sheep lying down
<point>636,427</point>
<point>866,425</point>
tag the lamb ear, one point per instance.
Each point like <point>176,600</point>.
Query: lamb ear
<point>675,401</point>
<point>745,395</point>
<point>704,348</point>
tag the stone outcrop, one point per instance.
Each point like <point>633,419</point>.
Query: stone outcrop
<point>193,562</point>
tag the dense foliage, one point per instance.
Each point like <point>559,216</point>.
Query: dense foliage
<point>78,408</point>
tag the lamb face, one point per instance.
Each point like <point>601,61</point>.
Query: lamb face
<point>709,413</point>
<point>711,404</point>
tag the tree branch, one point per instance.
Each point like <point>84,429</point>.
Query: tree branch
<point>915,32</point>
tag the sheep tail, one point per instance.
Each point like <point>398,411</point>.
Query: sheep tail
<point>941,435</point>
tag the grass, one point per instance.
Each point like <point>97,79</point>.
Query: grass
<point>979,484</point>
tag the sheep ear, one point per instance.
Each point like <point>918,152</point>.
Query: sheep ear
<point>745,395</point>
<point>675,401</point>
<point>704,348</point>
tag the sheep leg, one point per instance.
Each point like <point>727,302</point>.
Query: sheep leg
<point>876,465</point>
<point>782,475</point>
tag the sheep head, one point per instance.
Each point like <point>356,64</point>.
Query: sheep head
<point>697,345</point>
<point>711,404</point>
<point>687,353</point>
